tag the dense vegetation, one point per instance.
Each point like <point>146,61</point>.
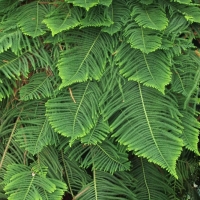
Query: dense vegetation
<point>99,99</point>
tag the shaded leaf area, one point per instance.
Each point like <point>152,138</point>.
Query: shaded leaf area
<point>35,131</point>
<point>105,156</point>
<point>151,184</point>
<point>107,186</point>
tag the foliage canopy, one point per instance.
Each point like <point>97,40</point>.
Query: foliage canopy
<point>98,99</point>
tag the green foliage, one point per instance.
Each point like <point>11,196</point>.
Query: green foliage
<point>99,99</point>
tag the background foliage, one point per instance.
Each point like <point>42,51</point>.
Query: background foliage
<point>98,99</point>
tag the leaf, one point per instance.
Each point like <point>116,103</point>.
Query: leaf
<point>146,40</point>
<point>153,69</point>
<point>30,17</point>
<point>97,16</point>
<point>76,176</point>
<point>106,156</point>
<point>97,134</point>
<point>63,18</point>
<point>78,108</point>
<point>35,132</point>
<point>86,58</point>
<point>191,13</point>
<point>147,122</point>
<point>119,13</point>
<point>31,181</point>
<point>106,186</point>
<point>12,66</point>
<point>87,4</point>
<point>152,17</point>
<point>150,183</point>
<point>40,86</point>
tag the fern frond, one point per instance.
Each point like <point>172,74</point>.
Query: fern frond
<point>85,58</point>
<point>151,184</point>
<point>49,157</point>
<point>151,16</point>
<point>90,3</point>
<point>120,14</point>
<point>191,13</point>
<point>76,177</point>
<point>79,110</point>
<point>106,186</point>
<point>184,72</point>
<point>97,134</point>
<point>40,86</point>
<point>35,132</point>
<point>144,39</point>
<point>152,126</point>
<point>30,17</point>
<point>63,18</point>
<point>153,69</point>
<point>104,157</point>
<point>25,182</point>
<point>13,66</point>
<point>97,16</point>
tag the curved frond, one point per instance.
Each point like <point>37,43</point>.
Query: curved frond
<point>40,85</point>
<point>119,13</point>
<point>30,17</point>
<point>97,134</point>
<point>153,69</point>
<point>97,16</point>
<point>151,16</point>
<point>191,13</point>
<point>49,157</point>
<point>25,183</point>
<point>85,58</point>
<point>76,177</point>
<point>152,125</point>
<point>12,66</point>
<point>151,184</point>
<point>144,39</point>
<point>35,132</point>
<point>78,108</point>
<point>184,72</point>
<point>90,3</point>
<point>104,157</point>
<point>106,186</point>
<point>63,18</point>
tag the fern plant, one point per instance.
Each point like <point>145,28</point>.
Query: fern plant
<point>98,99</point>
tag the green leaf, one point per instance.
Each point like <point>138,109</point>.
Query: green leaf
<point>63,18</point>
<point>85,58</point>
<point>97,16</point>
<point>78,108</point>
<point>30,17</point>
<point>97,134</point>
<point>152,16</point>
<point>24,183</point>
<point>150,183</point>
<point>153,69</point>
<point>191,13</point>
<point>119,13</point>
<point>106,156</point>
<point>40,85</point>
<point>87,4</point>
<point>147,122</point>
<point>106,186</point>
<point>146,40</point>
<point>35,132</point>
